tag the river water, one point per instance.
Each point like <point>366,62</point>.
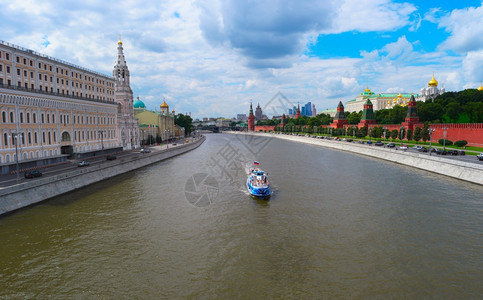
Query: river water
<point>338,225</point>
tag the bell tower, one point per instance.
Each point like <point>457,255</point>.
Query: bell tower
<point>128,125</point>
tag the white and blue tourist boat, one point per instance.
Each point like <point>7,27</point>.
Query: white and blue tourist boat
<point>257,182</point>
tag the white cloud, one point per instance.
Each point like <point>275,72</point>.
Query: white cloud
<point>466,29</point>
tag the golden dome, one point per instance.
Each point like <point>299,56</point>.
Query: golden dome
<point>480,88</point>
<point>400,95</point>
<point>164,105</point>
<point>119,42</point>
<point>367,90</point>
<point>433,82</point>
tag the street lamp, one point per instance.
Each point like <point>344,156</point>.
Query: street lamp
<point>384,136</point>
<point>353,132</point>
<point>15,136</point>
<point>142,142</point>
<point>370,129</point>
<point>430,135</point>
<point>401,130</point>
<point>101,132</point>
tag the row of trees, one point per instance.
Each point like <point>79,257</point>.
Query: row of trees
<point>377,132</point>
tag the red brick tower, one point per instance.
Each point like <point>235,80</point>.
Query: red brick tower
<point>368,117</point>
<point>251,119</point>
<point>412,118</point>
<point>284,121</point>
<point>297,114</point>
<point>340,119</point>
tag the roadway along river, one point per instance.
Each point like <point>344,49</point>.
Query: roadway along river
<point>338,226</point>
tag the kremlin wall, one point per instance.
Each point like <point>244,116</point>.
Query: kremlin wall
<point>471,132</point>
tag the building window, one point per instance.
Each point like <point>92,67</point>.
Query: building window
<point>34,116</point>
<point>7,56</point>
<point>54,138</point>
<point>21,117</point>
<point>43,120</point>
<point>31,63</point>
<point>40,66</point>
<point>24,61</point>
<point>48,118</point>
<point>30,138</point>
<point>40,76</point>
<point>8,69</point>
<point>31,74</point>
<point>25,73</point>
<point>53,118</point>
<point>18,59</point>
<point>35,138</point>
<point>4,117</point>
<point>5,139</point>
<point>1,68</point>
<point>18,72</point>
<point>11,117</point>
<point>43,137</point>
<point>28,117</point>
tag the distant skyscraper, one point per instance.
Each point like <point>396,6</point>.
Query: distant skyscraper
<point>314,111</point>
<point>258,113</point>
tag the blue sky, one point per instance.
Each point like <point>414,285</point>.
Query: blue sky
<point>211,57</point>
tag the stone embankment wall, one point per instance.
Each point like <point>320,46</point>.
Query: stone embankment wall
<point>471,172</point>
<point>35,191</point>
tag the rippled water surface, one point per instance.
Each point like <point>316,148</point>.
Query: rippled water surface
<point>339,225</point>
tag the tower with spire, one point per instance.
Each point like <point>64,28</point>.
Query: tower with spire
<point>412,118</point>
<point>128,125</point>
<point>368,117</point>
<point>340,118</point>
<point>297,113</point>
<point>251,119</point>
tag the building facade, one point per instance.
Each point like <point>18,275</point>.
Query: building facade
<point>158,124</point>
<point>379,101</point>
<point>51,109</point>
<point>430,92</point>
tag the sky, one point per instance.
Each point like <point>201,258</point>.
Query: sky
<point>211,58</point>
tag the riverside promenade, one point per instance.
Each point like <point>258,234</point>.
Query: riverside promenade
<point>466,171</point>
<point>33,191</point>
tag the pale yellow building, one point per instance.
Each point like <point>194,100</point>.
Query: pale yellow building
<point>162,121</point>
<point>379,101</point>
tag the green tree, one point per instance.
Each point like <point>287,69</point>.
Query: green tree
<point>409,134</point>
<point>184,121</point>
<point>418,134</point>
<point>354,118</point>
<point>394,134</point>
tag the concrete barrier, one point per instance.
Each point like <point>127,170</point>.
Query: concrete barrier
<point>471,172</point>
<point>28,193</point>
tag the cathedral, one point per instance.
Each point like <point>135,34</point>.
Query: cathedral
<point>431,92</point>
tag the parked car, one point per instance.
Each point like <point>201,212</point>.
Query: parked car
<point>441,152</point>
<point>145,150</point>
<point>350,140</point>
<point>453,152</point>
<point>379,143</point>
<point>417,147</point>
<point>111,157</point>
<point>369,142</point>
<point>403,147</point>
<point>32,174</point>
<point>174,144</point>
<point>361,142</point>
<point>461,152</point>
<point>83,164</point>
<point>422,149</point>
<point>480,156</point>
<point>391,145</point>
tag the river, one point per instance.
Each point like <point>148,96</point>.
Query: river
<point>338,225</point>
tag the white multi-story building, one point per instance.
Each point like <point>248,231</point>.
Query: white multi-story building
<point>51,109</point>
<point>431,92</point>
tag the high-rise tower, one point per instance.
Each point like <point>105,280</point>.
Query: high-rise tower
<point>128,125</point>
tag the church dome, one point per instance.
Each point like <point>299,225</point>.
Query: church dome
<point>164,105</point>
<point>139,104</point>
<point>433,82</point>
<point>480,88</point>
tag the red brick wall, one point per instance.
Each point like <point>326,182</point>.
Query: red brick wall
<point>472,133</point>
<point>264,127</point>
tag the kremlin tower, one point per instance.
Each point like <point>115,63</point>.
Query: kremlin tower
<point>412,118</point>
<point>297,114</point>
<point>251,119</point>
<point>368,117</point>
<point>340,119</point>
